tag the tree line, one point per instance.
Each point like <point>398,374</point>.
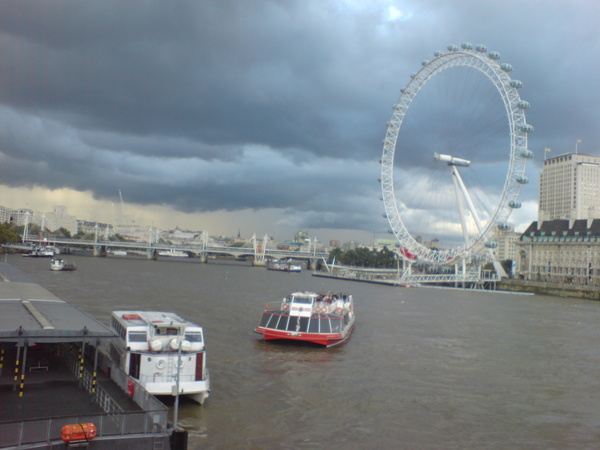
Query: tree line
<point>364,257</point>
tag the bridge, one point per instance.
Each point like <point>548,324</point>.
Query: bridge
<point>259,251</point>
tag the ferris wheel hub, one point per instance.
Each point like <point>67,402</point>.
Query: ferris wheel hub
<point>451,160</point>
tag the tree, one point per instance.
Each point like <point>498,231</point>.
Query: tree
<point>8,235</point>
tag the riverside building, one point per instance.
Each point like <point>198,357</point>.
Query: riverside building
<point>563,246</point>
<point>570,188</point>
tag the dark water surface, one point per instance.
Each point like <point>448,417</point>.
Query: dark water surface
<point>424,369</point>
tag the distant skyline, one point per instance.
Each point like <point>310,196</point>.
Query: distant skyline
<point>261,117</point>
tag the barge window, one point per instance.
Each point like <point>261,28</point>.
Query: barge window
<point>137,336</point>
<point>193,336</point>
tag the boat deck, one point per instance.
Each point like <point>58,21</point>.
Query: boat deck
<point>50,390</point>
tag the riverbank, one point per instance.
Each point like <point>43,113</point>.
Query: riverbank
<point>557,289</point>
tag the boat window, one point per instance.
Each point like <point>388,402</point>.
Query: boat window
<point>336,325</point>
<point>292,323</point>
<point>265,319</point>
<point>303,299</point>
<point>282,324</point>
<point>166,331</point>
<point>325,326</point>
<point>304,324</point>
<point>313,326</point>
<point>137,336</point>
<point>193,336</point>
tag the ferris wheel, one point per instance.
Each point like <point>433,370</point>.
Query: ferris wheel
<point>452,169</point>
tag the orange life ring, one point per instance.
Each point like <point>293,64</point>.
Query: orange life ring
<point>285,306</point>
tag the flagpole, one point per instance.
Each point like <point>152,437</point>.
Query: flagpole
<point>577,144</point>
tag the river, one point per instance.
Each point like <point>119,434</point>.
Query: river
<point>425,368</point>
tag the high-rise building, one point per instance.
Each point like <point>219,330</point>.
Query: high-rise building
<point>570,188</point>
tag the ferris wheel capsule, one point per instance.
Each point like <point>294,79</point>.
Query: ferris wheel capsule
<point>504,226</point>
<point>516,84</point>
<point>494,55</point>
<point>491,244</point>
<point>514,204</point>
<point>522,179</point>
<point>481,48</point>
<point>525,153</point>
<point>523,104</point>
<point>467,46</point>
<point>506,67</point>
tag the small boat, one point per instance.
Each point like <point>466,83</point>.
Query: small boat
<point>59,264</point>
<point>43,252</point>
<point>284,266</point>
<point>159,350</point>
<point>173,253</point>
<point>321,318</point>
<point>119,252</point>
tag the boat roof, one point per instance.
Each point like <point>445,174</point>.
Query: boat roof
<point>30,311</point>
<point>158,318</point>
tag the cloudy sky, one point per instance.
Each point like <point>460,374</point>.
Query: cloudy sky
<point>262,116</point>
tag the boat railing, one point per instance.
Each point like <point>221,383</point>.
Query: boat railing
<point>143,398</point>
<point>48,430</point>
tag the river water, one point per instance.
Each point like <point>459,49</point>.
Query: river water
<point>425,368</point>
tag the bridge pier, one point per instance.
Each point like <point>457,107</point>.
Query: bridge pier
<point>152,254</point>
<point>99,250</point>
<point>258,263</point>
<point>203,258</point>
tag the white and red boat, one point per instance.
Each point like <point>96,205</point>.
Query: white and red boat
<point>162,351</point>
<point>321,318</point>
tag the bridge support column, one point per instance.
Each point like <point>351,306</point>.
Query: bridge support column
<point>258,263</point>
<point>99,250</point>
<point>152,254</point>
<point>203,258</point>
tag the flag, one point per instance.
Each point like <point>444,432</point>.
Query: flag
<point>547,149</point>
<point>578,141</point>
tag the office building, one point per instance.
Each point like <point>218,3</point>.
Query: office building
<point>570,188</point>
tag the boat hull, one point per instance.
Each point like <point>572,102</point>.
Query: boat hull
<point>326,340</point>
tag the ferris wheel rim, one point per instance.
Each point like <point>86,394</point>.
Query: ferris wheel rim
<point>475,57</point>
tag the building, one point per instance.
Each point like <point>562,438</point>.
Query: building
<point>560,251</point>
<point>19,217</point>
<point>569,188</point>
<point>506,240</point>
<point>56,219</point>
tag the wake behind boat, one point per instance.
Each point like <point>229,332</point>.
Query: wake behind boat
<point>322,318</point>
<point>153,345</point>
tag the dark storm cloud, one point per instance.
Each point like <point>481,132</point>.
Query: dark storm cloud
<point>266,104</point>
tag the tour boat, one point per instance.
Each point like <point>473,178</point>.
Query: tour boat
<point>161,350</point>
<point>59,264</point>
<point>284,266</point>
<point>322,318</point>
<point>174,253</point>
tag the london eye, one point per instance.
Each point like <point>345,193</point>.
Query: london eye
<point>454,156</point>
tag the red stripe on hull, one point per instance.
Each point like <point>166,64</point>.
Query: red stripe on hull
<point>326,340</point>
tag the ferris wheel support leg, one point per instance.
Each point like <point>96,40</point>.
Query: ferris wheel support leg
<point>461,209</point>
<point>498,266</point>
<point>470,204</point>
